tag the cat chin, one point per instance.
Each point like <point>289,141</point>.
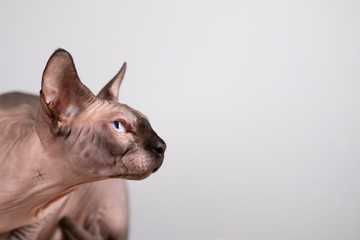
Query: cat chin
<point>133,176</point>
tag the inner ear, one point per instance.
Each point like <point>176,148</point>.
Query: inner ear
<point>111,90</point>
<point>62,91</point>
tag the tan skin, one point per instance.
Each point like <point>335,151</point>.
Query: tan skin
<point>54,150</point>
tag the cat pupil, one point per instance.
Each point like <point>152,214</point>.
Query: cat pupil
<point>116,123</point>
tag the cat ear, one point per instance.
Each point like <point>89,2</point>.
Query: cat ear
<point>62,93</point>
<point>111,90</point>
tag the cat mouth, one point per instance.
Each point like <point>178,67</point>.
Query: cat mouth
<point>158,166</point>
<point>156,169</point>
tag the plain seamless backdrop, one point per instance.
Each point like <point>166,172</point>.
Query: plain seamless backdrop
<point>258,102</point>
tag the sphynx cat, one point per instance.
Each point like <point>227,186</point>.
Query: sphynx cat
<point>54,150</point>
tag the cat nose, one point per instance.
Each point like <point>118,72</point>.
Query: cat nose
<point>159,146</point>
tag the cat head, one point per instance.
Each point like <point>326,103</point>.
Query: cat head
<point>94,135</point>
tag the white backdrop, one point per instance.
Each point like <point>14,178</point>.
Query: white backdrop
<point>258,102</point>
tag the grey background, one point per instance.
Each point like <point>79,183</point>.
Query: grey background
<point>258,102</point>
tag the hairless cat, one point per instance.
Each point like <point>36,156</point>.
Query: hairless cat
<point>57,150</point>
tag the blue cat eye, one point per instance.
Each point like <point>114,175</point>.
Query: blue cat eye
<point>119,126</point>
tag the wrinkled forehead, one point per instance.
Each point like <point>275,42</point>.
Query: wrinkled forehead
<point>102,110</point>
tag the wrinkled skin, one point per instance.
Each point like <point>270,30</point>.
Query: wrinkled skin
<point>55,149</point>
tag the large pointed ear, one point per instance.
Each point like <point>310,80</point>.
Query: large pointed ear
<point>62,93</point>
<point>111,90</point>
